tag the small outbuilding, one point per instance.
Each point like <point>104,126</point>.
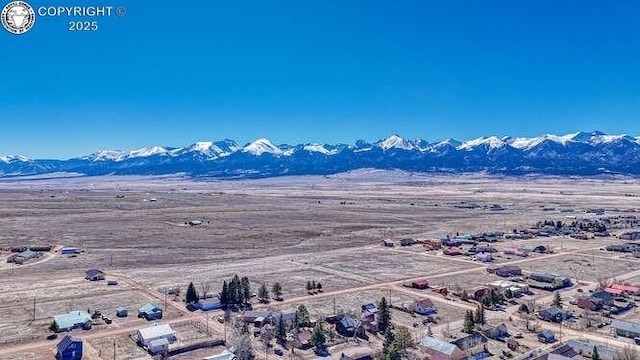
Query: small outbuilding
<point>69,250</point>
<point>94,275</point>
<point>209,304</point>
<point>122,312</point>
<point>145,336</point>
<point>69,348</point>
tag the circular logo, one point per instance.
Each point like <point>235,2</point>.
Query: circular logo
<point>18,17</point>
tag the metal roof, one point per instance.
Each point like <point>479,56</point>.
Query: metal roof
<point>157,331</point>
<point>438,345</point>
<point>149,309</point>
<point>65,342</point>
<point>70,320</point>
<point>158,342</point>
<point>625,326</point>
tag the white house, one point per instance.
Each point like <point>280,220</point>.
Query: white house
<point>147,335</point>
<point>424,306</point>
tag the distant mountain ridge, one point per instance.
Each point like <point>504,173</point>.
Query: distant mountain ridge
<point>581,153</point>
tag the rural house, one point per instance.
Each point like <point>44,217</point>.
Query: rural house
<point>347,326</point>
<point>554,314</point>
<point>440,350</point>
<point>494,332</point>
<point>546,337</point>
<point>145,336</point>
<point>94,275</point>
<point>302,340</point>
<point>150,312</point>
<point>369,311</point>
<point>69,348</point>
<point>424,307</point>
<point>73,320</point>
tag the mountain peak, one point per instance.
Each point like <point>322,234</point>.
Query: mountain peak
<point>262,146</point>
<point>395,142</point>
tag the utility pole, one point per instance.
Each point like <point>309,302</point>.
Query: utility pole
<point>111,261</point>
<point>114,349</point>
<point>34,308</point>
<point>334,306</point>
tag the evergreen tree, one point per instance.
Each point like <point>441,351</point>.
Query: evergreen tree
<point>263,293</point>
<point>557,300</point>
<point>302,317</point>
<point>234,290</point>
<point>276,289</point>
<point>594,353</point>
<point>390,353</point>
<point>282,330</point>
<point>464,296</point>
<point>313,284</point>
<point>224,294</point>
<point>467,326</point>
<point>403,339</point>
<point>192,294</point>
<point>245,286</point>
<point>384,315</point>
<point>389,337</point>
<point>523,309</point>
<point>309,288</point>
<point>508,294</point>
<point>319,286</point>
<point>479,317</point>
<point>318,339</point>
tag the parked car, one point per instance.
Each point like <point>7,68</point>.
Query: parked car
<point>107,320</point>
<point>278,352</point>
<point>220,319</point>
<point>52,336</point>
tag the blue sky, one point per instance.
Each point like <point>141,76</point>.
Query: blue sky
<point>171,73</point>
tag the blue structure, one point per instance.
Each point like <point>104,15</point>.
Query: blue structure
<point>150,312</point>
<point>208,305</point>
<point>546,337</point>
<point>69,250</point>
<point>69,349</point>
<point>347,326</point>
<point>554,314</point>
<point>73,320</point>
<point>122,312</point>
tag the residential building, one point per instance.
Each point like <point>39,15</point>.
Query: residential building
<point>494,332</point>
<point>424,307</point>
<point>554,314</point>
<point>440,350</point>
<point>347,326</point>
<point>94,275</point>
<point>73,320</point>
<point>150,312</point>
<point>209,304</point>
<point>546,337</point>
<point>69,348</point>
<point>145,336</point>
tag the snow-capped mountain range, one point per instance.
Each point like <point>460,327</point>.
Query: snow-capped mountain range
<point>581,153</point>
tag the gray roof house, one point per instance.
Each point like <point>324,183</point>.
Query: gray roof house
<point>440,350</point>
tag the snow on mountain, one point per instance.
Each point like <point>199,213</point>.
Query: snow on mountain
<point>319,148</point>
<point>492,142</point>
<point>577,153</point>
<point>12,158</point>
<point>262,146</point>
<point>395,142</point>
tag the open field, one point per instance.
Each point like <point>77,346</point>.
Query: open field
<point>287,230</point>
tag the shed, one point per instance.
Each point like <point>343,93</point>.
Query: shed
<point>420,284</point>
<point>225,355</point>
<point>407,242</point>
<point>69,250</point>
<point>370,307</point>
<point>69,348</point>
<point>252,315</point>
<point>388,243</point>
<point>632,290</point>
<point>122,312</point>
<point>112,282</point>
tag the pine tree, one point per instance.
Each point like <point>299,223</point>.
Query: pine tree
<point>468,322</point>
<point>319,286</point>
<point>523,309</point>
<point>192,294</point>
<point>245,286</point>
<point>313,284</point>
<point>389,337</point>
<point>464,296</point>
<point>282,329</point>
<point>309,288</point>
<point>384,315</point>
<point>403,339</point>
<point>594,353</point>
<point>263,293</point>
<point>479,317</point>
<point>224,294</point>
<point>318,339</point>
<point>557,300</point>
<point>276,289</point>
<point>302,316</point>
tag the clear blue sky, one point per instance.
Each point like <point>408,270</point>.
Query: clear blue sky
<point>171,73</point>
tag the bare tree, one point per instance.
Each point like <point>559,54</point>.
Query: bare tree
<point>628,353</point>
<point>604,282</point>
<point>205,287</point>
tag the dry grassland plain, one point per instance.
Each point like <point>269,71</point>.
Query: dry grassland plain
<point>289,230</point>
